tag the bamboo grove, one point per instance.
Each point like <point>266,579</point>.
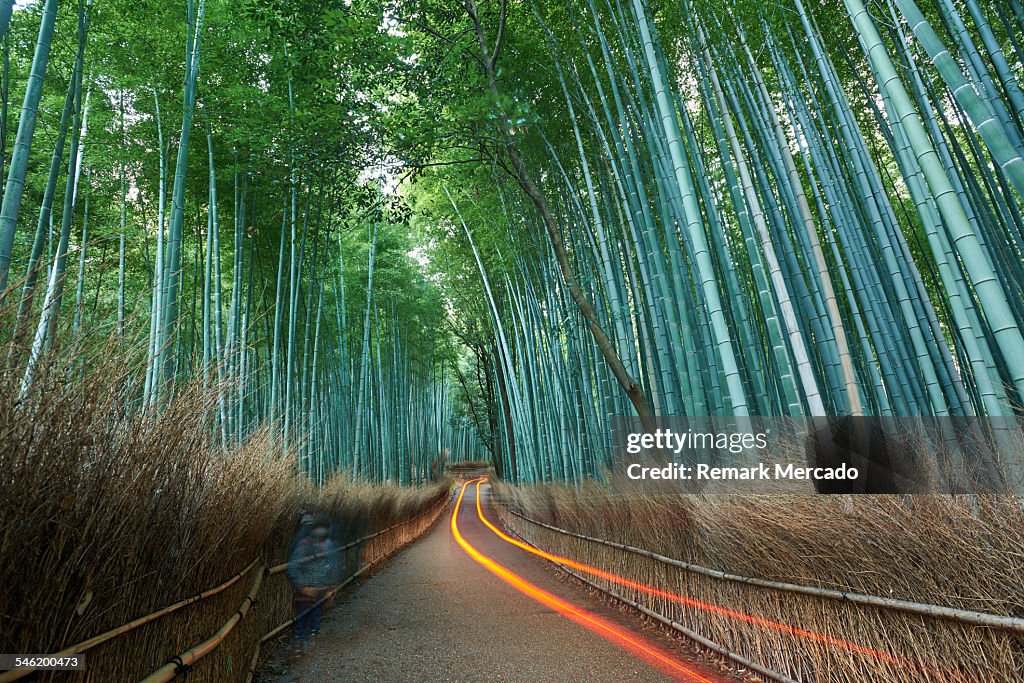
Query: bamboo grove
<point>773,220</point>
<point>214,251</point>
<point>395,230</point>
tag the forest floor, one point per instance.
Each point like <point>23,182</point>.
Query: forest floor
<point>435,614</point>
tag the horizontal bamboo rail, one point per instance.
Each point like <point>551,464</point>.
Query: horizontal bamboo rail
<point>689,633</point>
<point>81,647</point>
<point>183,662</point>
<point>996,621</point>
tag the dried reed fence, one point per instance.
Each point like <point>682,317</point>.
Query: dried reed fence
<point>965,553</point>
<point>107,516</point>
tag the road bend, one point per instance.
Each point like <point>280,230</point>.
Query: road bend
<point>462,604</point>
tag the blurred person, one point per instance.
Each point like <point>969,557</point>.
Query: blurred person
<point>312,570</point>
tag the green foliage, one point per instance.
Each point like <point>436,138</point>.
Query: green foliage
<point>756,231</point>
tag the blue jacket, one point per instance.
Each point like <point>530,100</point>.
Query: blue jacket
<point>312,564</point>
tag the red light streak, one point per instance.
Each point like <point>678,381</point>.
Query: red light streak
<point>594,623</point>
<point>704,606</point>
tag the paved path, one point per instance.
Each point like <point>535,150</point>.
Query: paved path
<point>433,613</point>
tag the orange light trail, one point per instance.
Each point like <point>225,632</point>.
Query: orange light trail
<point>592,622</point>
<point>680,599</point>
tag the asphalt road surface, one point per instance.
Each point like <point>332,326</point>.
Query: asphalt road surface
<point>436,613</point>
